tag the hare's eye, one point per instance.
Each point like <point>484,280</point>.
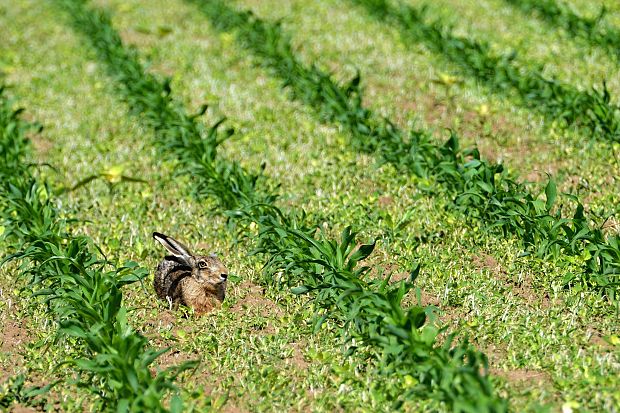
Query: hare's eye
<point>202,264</point>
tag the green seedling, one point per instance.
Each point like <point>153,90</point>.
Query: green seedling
<point>483,191</point>
<point>588,29</point>
<point>112,176</point>
<point>80,289</point>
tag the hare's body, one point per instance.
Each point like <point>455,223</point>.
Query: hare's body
<point>194,281</point>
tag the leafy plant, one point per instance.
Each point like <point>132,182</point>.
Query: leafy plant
<point>14,391</point>
<point>78,289</point>
<point>483,191</point>
<point>560,14</point>
<point>591,109</point>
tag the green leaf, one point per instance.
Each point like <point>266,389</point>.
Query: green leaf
<point>362,253</point>
<point>176,404</point>
<point>551,192</point>
<point>300,290</point>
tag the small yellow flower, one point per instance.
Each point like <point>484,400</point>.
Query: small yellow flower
<point>227,39</point>
<point>448,80</point>
<point>410,381</point>
<point>483,110</point>
<point>568,407</point>
<point>114,174</point>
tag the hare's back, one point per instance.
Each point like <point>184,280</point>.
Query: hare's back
<point>168,277</point>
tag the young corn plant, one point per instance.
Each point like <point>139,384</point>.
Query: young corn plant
<point>372,314</point>
<point>299,257</point>
<point>561,15</point>
<point>175,128</point>
<point>591,109</point>
<point>14,391</point>
<point>80,289</point>
<point>483,191</point>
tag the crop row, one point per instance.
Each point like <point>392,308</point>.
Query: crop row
<point>591,109</point>
<point>81,289</point>
<point>483,191</point>
<point>298,254</point>
<point>561,15</point>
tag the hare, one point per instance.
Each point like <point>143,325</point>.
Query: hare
<point>196,281</point>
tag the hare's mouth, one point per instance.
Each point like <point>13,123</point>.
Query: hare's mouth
<point>213,281</point>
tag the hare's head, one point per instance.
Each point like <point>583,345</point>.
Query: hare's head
<point>209,269</point>
<point>204,268</point>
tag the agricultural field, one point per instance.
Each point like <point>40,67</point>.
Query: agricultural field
<point>417,203</point>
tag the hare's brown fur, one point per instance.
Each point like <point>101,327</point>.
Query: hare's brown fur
<point>184,279</point>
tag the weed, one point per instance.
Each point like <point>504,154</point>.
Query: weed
<point>14,391</point>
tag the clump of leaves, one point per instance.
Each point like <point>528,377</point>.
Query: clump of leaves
<point>560,14</point>
<point>14,391</point>
<point>484,191</point>
<point>591,109</point>
<point>81,289</point>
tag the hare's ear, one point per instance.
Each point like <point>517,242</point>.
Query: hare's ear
<point>175,247</point>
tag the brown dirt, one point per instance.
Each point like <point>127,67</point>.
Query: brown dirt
<point>451,315</point>
<point>486,262</point>
<point>13,338</point>
<point>174,358</point>
<point>21,409</point>
<point>13,335</point>
<point>297,359</point>
<point>612,225</point>
<point>253,300</point>
<point>385,201</point>
<point>522,376</point>
<point>232,408</point>
<point>522,289</point>
<point>41,144</point>
<point>496,354</point>
<point>132,37</point>
<point>162,319</point>
<point>598,339</point>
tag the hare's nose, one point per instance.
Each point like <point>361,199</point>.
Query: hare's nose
<point>224,275</point>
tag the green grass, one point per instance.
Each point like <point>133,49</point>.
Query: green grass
<point>561,16</point>
<point>259,348</point>
<point>403,82</point>
<point>369,311</point>
<point>80,289</point>
<point>486,188</point>
<point>501,73</point>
